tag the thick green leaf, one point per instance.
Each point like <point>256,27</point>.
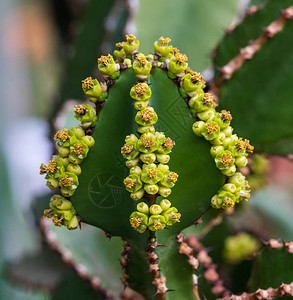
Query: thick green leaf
<point>73,287</point>
<point>93,249</point>
<point>193,25</point>
<point>259,95</point>
<point>250,29</point>
<point>271,268</point>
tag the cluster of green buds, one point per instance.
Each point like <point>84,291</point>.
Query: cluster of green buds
<point>234,191</point>
<point>127,49</point>
<point>147,157</point>
<point>62,212</point>
<point>86,114</point>
<point>154,217</point>
<point>63,170</point>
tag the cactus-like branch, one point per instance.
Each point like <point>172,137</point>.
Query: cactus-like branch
<point>249,51</point>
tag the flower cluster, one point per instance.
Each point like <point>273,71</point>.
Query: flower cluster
<point>127,49</point>
<point>62,212</point>
<point>94,89</point>
<point>109,67</point>
<point>147,157</point>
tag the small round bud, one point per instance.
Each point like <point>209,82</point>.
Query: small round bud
<point>63,160</point>
<point>137,195</point>
<point>140,105</point>
<point>66,192</point>
<point>74,159</point>
<point>206,115</point>
<point>77,131</point>
<point>148,158</point>
<point>216,150</point>
<point>197,127</point>
<point>135,170</point>
<point>219,140</point>
<point>163,168</point>
<point>146,129</point>
<point>73,223</point>
<point>163,158</point>
<point>164,192</point>
<point>229,187</point>
<point>63,151</point>
<point>88,140</point>
<point>230,171</point>
<point>238,179</point>
<point>151,189</point>
<point>241,161</point>
<point>155,209</point>
<point>75,169</point>
<point>143,208</point>
<point>52,183</point>
<point>228,131</point>
<point>130,163</point>
<point>165,204</point>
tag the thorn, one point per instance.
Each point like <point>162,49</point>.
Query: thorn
<point>170,290</point>
<point>160,245</point>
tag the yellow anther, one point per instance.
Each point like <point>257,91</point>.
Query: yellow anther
<point>104,60</point>
<point>147,115</point>
<point>196,77</point>
<point>168,143</point>
<point>119,45</point>
<point>157,225</point>
<point>130,38</point>
<point>174,51</point>
<point>78,149</point>
<point>43,169</point>
<point>135,222</point>
<point>227,159</point>
<point>141,59</point>
<point>66,181</point>
<point>57,220</point>
<point>152,173</point>
<point>180,58</point>
<point>164,41</point>
<point>228,202</point>
<point>249,148</point>
<point>226,116</point>
<point>177,217</point>
<point>80,109</point>
<point>173,177</point>
<point>126,149</point>
<point>48,213</point>
<point>87,84</point>
<point>140,89</point>
<point>148,142</point>
<point>211,127</point>
<point>129,183</point>
<point>209,99</point>
<point>247,186</point>
<point>62,135</point>
<point>241,145</point>
<point>52,167</point>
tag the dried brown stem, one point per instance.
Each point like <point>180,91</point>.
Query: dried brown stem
<point>124,262</point>
<point>248,52</point>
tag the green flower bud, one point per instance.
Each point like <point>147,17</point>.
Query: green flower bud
<point>67,216</point>
<point>129,150</point>
<point>241,161</point>
<point>206,115</point>
<point>74,159</point>
<point>210,131</point>
<point>78,147</point>
<point>130,163</point>
<point>216,150</point>
<point>131,45</point>
<point>108,67</point>
<point>164,169</point>
<point>148,158</point>
<point>143,208</point>
<point>238,179</point>
<point>150,174</point>
<point>224,200</point>
<point>169,180</point>
<point>132,183</point>
<point>120,53</point>
<point>68,181</point>
<point>137,195</point>
<point>128,62</point>
<point>224,160</point>
<point>155,209</point>
<point>63,151</point>
<point>192,84</point>
<point>151,189</point>
<point>66,192</point>
<point>146,129</point>
<point>91,87</point>
<point>219,140</point>
<point>84,113</point>
<point>73,223</point>
<point>198,127</point>
<point>135,171</point>
<point>223,119</point>
<point>165,204</point>
<point>63,160</point>
<point>156,222</point>
<point>162,47</point>
<point>139,221</point>
<point>230,171</point>
<point>178,64</point>
<point>75,169</point>
<point>146,117</point>
<point>89,141</point>
<point>229,187</point>
<point>203,102</point>
<point>147,143</point>
<point>228,131</point>
<point>76,131</point>
<point>171,215</point>
<point>140,92</point>
<point>140,105</point>
<point>52,183</point>
<point>163,158</point>
<point>165,144</point>
<point>164,192</point>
